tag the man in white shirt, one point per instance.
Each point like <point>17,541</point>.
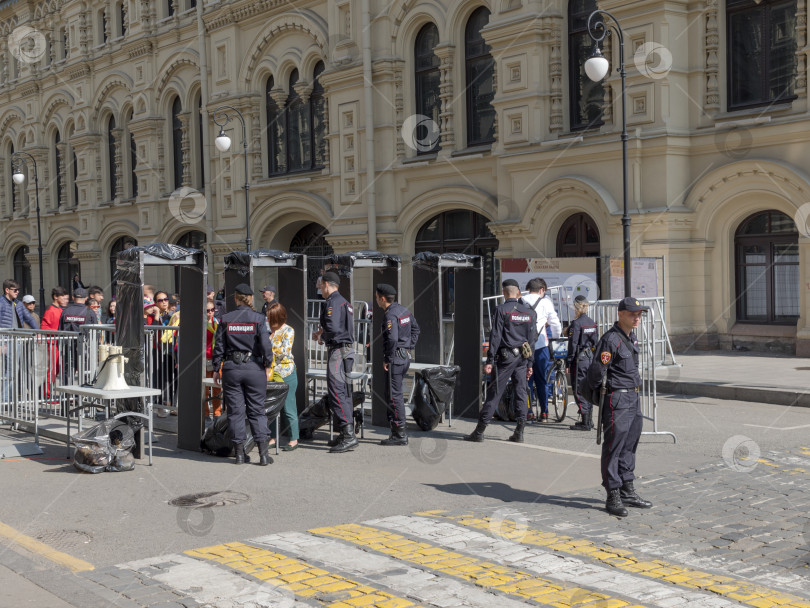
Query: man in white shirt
<point>547,323</point>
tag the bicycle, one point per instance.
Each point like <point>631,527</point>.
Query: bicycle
<point>556,377</point>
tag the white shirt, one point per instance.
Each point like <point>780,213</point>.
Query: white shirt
<point>546,315</point>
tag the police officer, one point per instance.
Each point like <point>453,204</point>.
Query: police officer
<point>337,332</point>
<point>617,356</point>
<point>513,325</point>
<point>77,313</point>
<point>242,357</point>
<point>400,331</point>
<point>582,339</point>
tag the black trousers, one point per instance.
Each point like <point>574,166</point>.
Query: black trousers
<point>621,426</point>
<point>514,367</point>
<point>338,385</point>
<point>394,399</point>
<point>244,388</point>
<point>579,375</point>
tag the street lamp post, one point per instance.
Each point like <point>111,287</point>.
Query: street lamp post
<point>596,67</point>
<point>223,144</point>
<point>18,177</point>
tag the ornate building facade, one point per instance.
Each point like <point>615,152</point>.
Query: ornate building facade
<point>403,126</point>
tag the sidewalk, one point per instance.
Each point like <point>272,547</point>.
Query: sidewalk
<point>780,380</point>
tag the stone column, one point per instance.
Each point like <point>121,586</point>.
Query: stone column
<point>185,146</point>
<point>63,150</point>
<point>118,134</point>
<point>446,53</point>
<point>279,95</point>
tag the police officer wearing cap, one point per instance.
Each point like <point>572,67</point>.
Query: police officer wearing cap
<point>617,356</point>
<point>513,325</point>
<point>77,313</point>
<point>337,332</point>
<point>582,338</point>
<point>242,357</point>
<point>400,331</point>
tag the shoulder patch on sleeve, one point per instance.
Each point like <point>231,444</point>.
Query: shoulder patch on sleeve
<point>605,357</point>
<point>389,325</point>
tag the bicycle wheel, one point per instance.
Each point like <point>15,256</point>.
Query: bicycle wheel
<point>559,390</point>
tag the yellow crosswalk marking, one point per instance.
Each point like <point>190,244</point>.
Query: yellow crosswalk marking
<point>622,559</point>
<point>299,577</point>
<point>510,581</point>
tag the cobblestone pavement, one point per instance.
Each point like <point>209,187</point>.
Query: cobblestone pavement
<point>732,533</point>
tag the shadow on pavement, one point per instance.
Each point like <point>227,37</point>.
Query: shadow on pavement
<point>506,493</point>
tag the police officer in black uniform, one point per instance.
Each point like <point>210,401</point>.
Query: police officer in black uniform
<point>242,357</point>
<point>73,317</point>
<point>337,332</point>
<point>513,324</point>
<point>582,339</point>
<point>617,356</point>
<point>400,331</point>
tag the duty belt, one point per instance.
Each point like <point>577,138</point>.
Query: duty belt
<point>240,357</point>
<point>635,389</point>
<point>514,351</point>
<point>403,353</point>
<point>334,345</point>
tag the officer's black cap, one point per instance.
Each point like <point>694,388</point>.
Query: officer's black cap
<point>510,283</point>
<point>579,299</point>
<point>384,289</point>
<point>331,277</point>
<point>244,289</point>
<point>80,293</point>
<point>631,304</point>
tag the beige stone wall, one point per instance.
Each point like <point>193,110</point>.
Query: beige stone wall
<point>695,171</point>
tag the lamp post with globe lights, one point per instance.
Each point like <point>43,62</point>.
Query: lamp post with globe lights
<point>596,67</point>
<point>18,159</point>
<point>223,144</point>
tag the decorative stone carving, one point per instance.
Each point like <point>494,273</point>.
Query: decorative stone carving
<point>712,41</point>
<point>555,73</point>
<point>445,53</point>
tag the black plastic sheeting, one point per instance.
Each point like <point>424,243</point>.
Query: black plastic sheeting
<point>104,447</point>
<point>434,395</point>
<point>317,414</point>
<point>345,261</point>
<point>167,251</point>
<point>240,260</point>
<point>217,438</point>
<point>431,260</point>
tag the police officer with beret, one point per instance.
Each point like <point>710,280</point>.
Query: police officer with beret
<point>582,338</point>
<point>337,332</point>
<point>242,357</point>
<point>400,331</point>
<point>513,325</point>
<point>617,356</point>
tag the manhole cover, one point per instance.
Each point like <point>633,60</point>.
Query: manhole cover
<point>206,500</point>
<point>64,539</point>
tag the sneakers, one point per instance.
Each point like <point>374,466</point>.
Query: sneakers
<point>544,417</point>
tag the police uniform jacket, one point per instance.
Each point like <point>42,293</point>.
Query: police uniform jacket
<point>399,330</point>
<point>513,323</point>
<point>582,335</point>
<point>337,321</point>
<point>614,358</point>
<point>76,315</point>
<point>242,331</point>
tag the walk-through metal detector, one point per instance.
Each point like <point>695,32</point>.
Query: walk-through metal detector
<point>240,267</point>
<point>385,268</point>
<point>129,329</point>
<point>465,289</point>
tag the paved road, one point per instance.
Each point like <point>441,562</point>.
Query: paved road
<point>440,523</point>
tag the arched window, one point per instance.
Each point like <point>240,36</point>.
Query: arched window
<point>311,241</point>
<point>298,129</point>
<point>767,260</point>
<point>193,239</point>
<point>761,51</point>
<point>480,68</point>
<point>585,96</point>
<point>198,121</point>
<point>57,169</point>
<point>317,111</point>
<point>578,237</point>
<point>22,270</point>
<point>427,79</point>
<point>67,265</point>
<point>170,7</point>
<point>177,144</point>
<point>133,159</point>
<point>112,178</point>
<point>275,131</point>
<point>462,232</point>
<point>12,185</point>
<point>121,244</point>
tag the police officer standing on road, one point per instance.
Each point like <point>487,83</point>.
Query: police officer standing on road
<point>582,339</point>
<point>617,356</point>
<point>337,332</point>
<point>513,326</point>
<point>400,331</point>
<point>242,357</point>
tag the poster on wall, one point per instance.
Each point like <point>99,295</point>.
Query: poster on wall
<point>644,278</point>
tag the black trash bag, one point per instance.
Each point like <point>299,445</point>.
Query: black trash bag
<point>507,409</point>
<point>274,400</point>
<point>317,414</point>
<point>433,395</point>
<point>105,447</point>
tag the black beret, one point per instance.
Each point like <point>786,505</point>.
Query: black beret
<point>244,289</point>
<point>384,289</point>
<point>510,283</point>
<point>331,277</point>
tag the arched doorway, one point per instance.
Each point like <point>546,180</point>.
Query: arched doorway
<point>22,270</point>
<point>121,244</point>
<point>578,237</point>
<point>67,265</point>
<point>766,249</point>
<point>311,241</point>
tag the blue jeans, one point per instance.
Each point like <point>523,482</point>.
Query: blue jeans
<point>540,368</point>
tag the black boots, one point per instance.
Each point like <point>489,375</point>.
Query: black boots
<point>478,434</point>
<point>264,457</point>
<point>398,436</point>
<point>586,424</point>
<point>348,440</point>
<point>241,457</point>
<point>614,504</point>
<point>517,436</point>
<point>336,440</point>
<point>631,499</point>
